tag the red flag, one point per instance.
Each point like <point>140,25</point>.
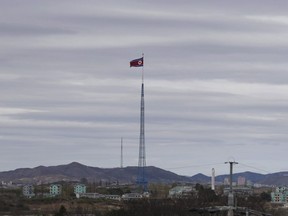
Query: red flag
<point>137,62</point>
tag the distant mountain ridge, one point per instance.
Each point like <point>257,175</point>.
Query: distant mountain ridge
<point>76,171</point>
<point>273,179</point>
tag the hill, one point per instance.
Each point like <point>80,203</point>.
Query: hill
<point>254,177</point>
<point>273,179</point>
<point>76,171</point>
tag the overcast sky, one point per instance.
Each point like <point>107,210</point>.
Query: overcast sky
<point>216,83</point>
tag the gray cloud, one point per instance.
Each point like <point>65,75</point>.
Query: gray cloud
<point>215,83</point>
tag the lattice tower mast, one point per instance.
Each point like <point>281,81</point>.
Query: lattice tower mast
<point>141,179</point>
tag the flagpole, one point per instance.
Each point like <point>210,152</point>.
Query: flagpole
<point>141,178</point>
<point>143,69</point>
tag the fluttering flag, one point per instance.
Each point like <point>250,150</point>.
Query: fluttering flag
<point>137,62</point>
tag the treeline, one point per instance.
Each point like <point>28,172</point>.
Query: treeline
<point>158,205</point>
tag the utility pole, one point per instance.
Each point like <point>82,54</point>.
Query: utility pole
<point>231,195</point>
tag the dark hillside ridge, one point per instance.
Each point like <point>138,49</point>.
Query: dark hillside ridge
<point>76,171</point>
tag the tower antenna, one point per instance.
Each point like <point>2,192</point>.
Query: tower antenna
<point>121,163</point>
<point>141,178</point>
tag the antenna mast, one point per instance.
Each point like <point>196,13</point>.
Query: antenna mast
<point>141,179</point>
<point>121,163</point>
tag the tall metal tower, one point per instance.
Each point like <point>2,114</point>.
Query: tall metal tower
<point>141,178</point>
<point>121,162</point>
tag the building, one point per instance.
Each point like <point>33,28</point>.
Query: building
<point>79,188</point>
<point>90,195</point>
<point>249,183</point>
<point>98,196</point>
<point>55,189</point>
<point>180,191</point>
<point>129,196</point>
<point>28,191</point>
<point>226,181</point>
<point>240,191</point>
<point>113,197</point>
<point>280,195</point>
<point>241,181</point>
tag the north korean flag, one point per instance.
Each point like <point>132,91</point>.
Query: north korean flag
<point>137,62</point>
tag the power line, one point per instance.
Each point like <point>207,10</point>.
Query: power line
<point>214,164</point>
<point>200,165</point>
<point>255,168</point>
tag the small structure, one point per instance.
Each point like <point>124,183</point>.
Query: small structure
<point>79,188</point>
<point>55,189</point>
<point>28,191</point>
